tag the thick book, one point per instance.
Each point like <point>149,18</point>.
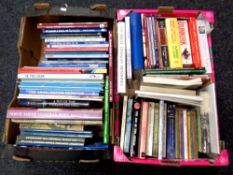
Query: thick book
<point>174,52</point>
<point>136,41</point>
<point>55,113</point>
<point>185,43</point>
<point>121,58</point>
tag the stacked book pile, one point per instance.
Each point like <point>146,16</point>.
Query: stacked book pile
<point>162,86</point>
<point>64,100</point>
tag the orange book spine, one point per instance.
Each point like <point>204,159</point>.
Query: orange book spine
<point>194,42</point>
<point>143,130</point>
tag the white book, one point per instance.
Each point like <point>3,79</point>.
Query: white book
<point>73,39</point>
<point>123,122</point>
<point>185,136</point>
<point>121,58</point>
<point>128,48</point>
<point>150,129</point>
<point>185,43</point>
<point>184,99</point>
<point>161,127</point>
<point>60,97</point>
<point>84,77</point>
<point>172,81</point>
<point>203,44</point>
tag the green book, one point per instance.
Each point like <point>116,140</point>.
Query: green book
<point>106,110</point>
<point>175,71</point>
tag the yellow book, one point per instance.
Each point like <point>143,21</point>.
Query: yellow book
<point>174,50</point>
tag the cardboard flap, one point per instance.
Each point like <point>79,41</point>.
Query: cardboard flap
<point>95,10</point>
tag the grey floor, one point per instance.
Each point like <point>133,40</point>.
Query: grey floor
<point>10,13</point>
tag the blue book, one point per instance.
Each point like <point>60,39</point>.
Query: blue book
<point>83,65</point>
<point>88,147</point>
<point>73,30</point>
<point>136,41</point>
<point>171,150</point>
<point>59,84</point>
<point>53,92</point>
<point>68,55</point>
<point>128,126</point>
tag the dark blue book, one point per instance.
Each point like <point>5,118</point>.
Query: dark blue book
<point>171,146</point>
<point>73,30</point>
<point>136,41</point>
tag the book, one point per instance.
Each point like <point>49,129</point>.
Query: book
<point>143,130</point>
<point>173,41</point>
<point>183,99</point>
<point>156,131</point>
<point>106,111</point>
<point>136,41</point>
<point>162,42</point>
<point>203,43</point>
<point>54,113</point>
<point>73,38</point>
<point>173,82</point>
<point>128,126</point>
<point>185,43</point>
<point>73,30</point>
<point>80,44</point>
<point>75,49</point>
<point>150,129</point>
<point>54,121</point>
<point>110,65</point>
<point>167,89</point>
<point>194,42</point>
<point>171,145</point>
<point>123,121</point>
<point>72,25</point>
<point>53,126</point>
<point>176,71</point>
<point>74,55</point>
<point>129,73</point>
<point>161,128</point>
<point>61,97</point>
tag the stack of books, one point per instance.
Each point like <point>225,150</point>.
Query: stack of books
<point>64,100</point>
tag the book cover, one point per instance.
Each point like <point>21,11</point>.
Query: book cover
<point>136,41</point>
<point>185,43</point>
<point>194,42</point>
<point>173,41</point>
<point>121,58</point>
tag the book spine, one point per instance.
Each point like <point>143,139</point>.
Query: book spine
<point>121,64</point>
<point>150,129</point>
<point>70,30</point>
<point>123,122</point>
<point>146,51</point>
<point>106,111</point>
<point>143,38</point>
<point>176,71</point>
<point>155,42</point>
<point>164,153</point>
<point>185,43</point>
<point>82,114</point>
<point>42,76</point>
<point>43,142</point>
<point>77,44</point>
<point>135,129</point>
<point>72,25</point>
<point>171,151</point>
<point>156,130</point>
<point>73,39</point>
<point>143,129</point>
<point>110,65</point>
<point>76,49</point>
<point>174,52</point>
<point>75,55</point>
<point>177,136</point>
<point>189,135</point>
<point>128,126</point>
<point>136,41</point>
<point>194,42</point>
<point>184,135</point>
<point>38,70</point>
<point>161,127</point>
<point>70,65</point>
<point>163,43</point>
<point>203,44</point>
<point>128,48</point>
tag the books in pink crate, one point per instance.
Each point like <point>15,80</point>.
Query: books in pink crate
<point>76,49</point>
<point>54,113</point>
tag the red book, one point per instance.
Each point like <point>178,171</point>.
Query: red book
<point>72,25</point>
<point>39,70</point>
<point>55,113</point>
<point>110,64</point>
<point>76,49</point>
<point>194,43</point>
